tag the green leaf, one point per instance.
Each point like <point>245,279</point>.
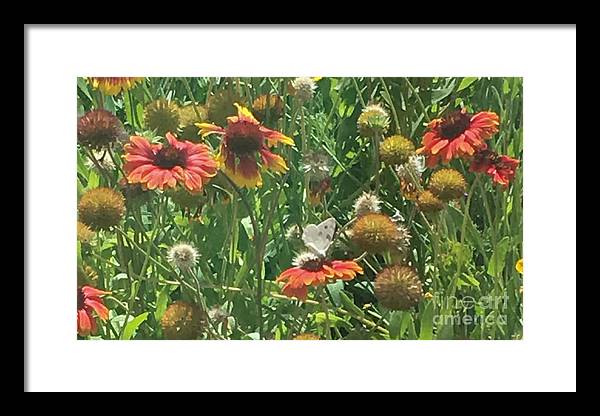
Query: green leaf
<point>133,325</point>
<point>335,289</point>
<point>466,81</point>
<point>161,303</point>
<point>93,180</point>
<point>395,326</point>
<point>79,258</point>
<point>243,272</point>
<point>119,281</point>
<point>427,323</point>
<point>247,224</point>
<point>498,259</point>
<point>440,94</point>
<point>471,233</point>
<point>471,280</point>
<point>127,105</point>
<point>350,306</point>
<point>334,320</point>
<point>83,86</point>
<point>408,322</point>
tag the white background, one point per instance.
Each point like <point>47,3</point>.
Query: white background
<point>544,360</point>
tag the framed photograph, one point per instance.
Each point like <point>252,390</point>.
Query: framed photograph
<point>380,206</point>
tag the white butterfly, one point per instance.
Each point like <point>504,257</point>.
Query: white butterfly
<point>318,238</point>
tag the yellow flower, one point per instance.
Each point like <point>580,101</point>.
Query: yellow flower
<point>182,320</point>
<point>373,121</point>
<point>519,266</point>
<point>375,233</point>
<point>162,116</point>
<point>398,288</point>
<point>428,202</point>
<point>447,184</point>
<point>101,208</point>
<point>396,150</point>
<point>84,233</point>
<point>222,105</point>
<point>306,337</point>
<point>113,85</point>
<point>188,119</point>
<point>271,104</point>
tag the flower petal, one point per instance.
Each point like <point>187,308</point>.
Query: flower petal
<point>244,114</point>
<point>84,323</point>
<point>97,305</point>
<point>207,128</point>
<point>273,162</point>
<point>273,137</point>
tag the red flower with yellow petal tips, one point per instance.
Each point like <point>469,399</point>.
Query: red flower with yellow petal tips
<point>113,85</point>
<point>157,166</point>
<point>458,134</point>
<point>500,168</point>
<point>246,147</point>
<point>89,301</point>
<point>311,270</point>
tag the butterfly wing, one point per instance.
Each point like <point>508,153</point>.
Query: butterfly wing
<point>318,238</point>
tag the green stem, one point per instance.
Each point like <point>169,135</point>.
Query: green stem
<point>114,160</point>
<point>191,94</point>
<point>325,309</point>
<point>141,274</point>
<point>391,104</point>
<point>423,108</point>
<point>360,98</point>
<point>463,230</point>
<point>134,119</point>
<point>376,161</point>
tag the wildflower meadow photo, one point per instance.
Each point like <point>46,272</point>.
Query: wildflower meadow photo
<point>308,208</point>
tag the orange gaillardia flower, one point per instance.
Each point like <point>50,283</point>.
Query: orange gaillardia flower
<point>245,139</point>
<point>458,134</point>
<point>89,301</point>
<point>500,168</point>
<point>158,166</point>
<point>113,85</point>
<point>312,270</point>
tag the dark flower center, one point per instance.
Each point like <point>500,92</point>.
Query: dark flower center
<point>454,124</point>
<point>80,298</point>
<point>243,144</point>
<point>486,156</point>
<point>314,265</point>
<point>168,157</point>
